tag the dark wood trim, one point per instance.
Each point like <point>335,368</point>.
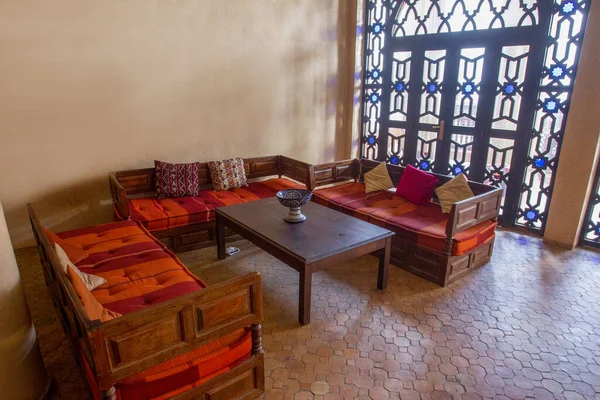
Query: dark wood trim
<point>306,265</point>
<point>439,267</point>
<point>141,182</point>
<point>124,346</point>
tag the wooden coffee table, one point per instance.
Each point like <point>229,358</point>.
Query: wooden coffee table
<point>326,238</point>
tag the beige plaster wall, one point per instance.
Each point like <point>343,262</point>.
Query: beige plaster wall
<point>578,154</point>
<point>87,87</point>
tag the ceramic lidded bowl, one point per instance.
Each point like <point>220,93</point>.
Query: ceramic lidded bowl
<point>294,199</point>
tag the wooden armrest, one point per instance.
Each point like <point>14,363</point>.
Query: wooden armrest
<point>294,169</point>
<point>135,342</point>
<point>119,196</point>
<point>470,212</point>
<point>338,171</point>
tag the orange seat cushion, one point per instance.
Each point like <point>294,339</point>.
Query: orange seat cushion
<point>139,270</point>
<point>162,214</point>
<point>424,225</point>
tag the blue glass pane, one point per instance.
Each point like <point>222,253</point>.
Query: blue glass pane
<point>598,230</point>
<point>557,71</point>
<point>377,28</point>
<point>431,87</point>
<point>359,30</point>
<point>540,162</point>
<point>394,160</point>
<point>357,76</point>
<point>568,7</point>
<point>551,105</point>
<point>509,88</point>
<point>531,215</point>
<point>400,86</point>
<point>457,170</point>
<point>375,74</point>
<point>374,98</point>
<point>371,140</point>
<point>468,88</point>
<point>424,164</point>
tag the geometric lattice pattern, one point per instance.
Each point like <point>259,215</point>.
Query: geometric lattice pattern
<point>558,76</point>
<point>445,90</point>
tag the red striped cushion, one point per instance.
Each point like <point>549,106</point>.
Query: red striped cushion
<point>160,214</point>
<point>424,225</point>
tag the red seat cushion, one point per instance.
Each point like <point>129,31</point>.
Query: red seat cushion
<point>159,214</point>
<point>141,272</point>
<point>416,186</point>
<point>424,225</point>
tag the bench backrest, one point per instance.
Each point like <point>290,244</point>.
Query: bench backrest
<point>143,181</point>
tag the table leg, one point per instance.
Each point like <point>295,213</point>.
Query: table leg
<point>384,264</point>
<point>305,293</point>
<point>220,237</point>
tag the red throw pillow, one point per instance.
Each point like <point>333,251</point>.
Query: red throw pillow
<point>74,253</point>
<point>416,186</point>
<point>176,180</point>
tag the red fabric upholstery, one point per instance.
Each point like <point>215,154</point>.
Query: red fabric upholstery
<point>176,180</point>
<point>425,225</point>
<point>141,272</point>
<point>138,269</point>
<point>159,214</point>
<point>416,186</point>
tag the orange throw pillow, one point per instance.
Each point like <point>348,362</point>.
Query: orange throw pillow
<point>93,308</point>
<point>74,253</point>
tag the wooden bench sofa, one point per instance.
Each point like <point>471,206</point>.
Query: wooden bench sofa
<point>188,223</point>
<point>436,246</point>
<point>172,337</point>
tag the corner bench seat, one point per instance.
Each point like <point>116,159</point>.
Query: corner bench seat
<point>160,214</point>
<point>141,272</point>
<point>423,225</point>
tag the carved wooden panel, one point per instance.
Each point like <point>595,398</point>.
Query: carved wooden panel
<point>233,306</point>
<point>149,339</point>
<point>137,181</point>
<point>237,388</point>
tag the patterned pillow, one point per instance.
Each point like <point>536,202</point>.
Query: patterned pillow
<point>176,180</point>
<point>228,174</point>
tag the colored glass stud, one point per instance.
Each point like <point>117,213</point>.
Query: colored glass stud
<point>431,87</point>
<point>424,165</point>
<point>400,86</point>
<point>375,74</point>
<point>377,28</point>
<point>551,105</point>
<point>457,170</point>
<point>597,230</point>
<point>374,97</point>
<point>509,89</point>
<point>371,140</point>
<point>557,71</point>
<point>531,215</point>
<point>468,88</point>
<point>394,160</point>
<point>568,7</point>
<point>540,162</point>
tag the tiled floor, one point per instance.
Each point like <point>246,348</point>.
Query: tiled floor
<point>527,325</point>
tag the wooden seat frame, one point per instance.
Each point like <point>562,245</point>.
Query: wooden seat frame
<point>442,267</point>
<point>134,342</point>
<point>129,184</point>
